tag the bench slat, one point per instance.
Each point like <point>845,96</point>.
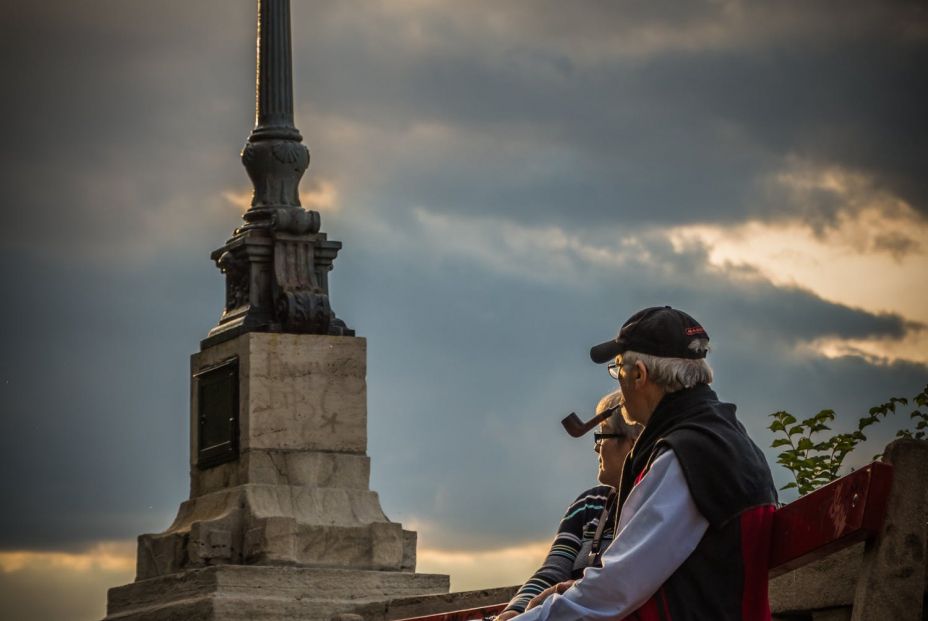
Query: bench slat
<point>468,614</point>
<point>839,514</point>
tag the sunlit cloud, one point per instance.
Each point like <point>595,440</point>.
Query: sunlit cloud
<point>107,556</point>
<point>791,254</point>
<point>483,569</point>
<point>115,561</point>
<point>853,244</point>
<point>54,585</point>
<point>875,351</point>
<point>320,195</point>
<point>849,209</point>
<point>241,200</point>
<point>110,564</point>
<point>843,263</point>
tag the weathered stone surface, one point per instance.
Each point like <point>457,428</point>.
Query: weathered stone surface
<point>297,392</point>
<point>307,393</point>
<point>410,537</point>
<point>298,493</point>
<point>827,583</point>
<point>269,524</point>
<point>232,593</point>
<point>832,614</point>
<point>893,578</point>
<point>297,468</point>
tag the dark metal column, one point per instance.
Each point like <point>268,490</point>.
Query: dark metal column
<point>276,263</point>
<point>274,156</point>
<point>274,105</point>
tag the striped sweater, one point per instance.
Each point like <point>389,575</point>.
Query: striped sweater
<point>564,560</point>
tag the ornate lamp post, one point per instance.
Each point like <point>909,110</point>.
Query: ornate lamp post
<point>277,263</point>
<point>281,522</point>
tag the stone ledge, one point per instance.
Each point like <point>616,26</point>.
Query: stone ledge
<point>415,606</point>
<point>285,468</point>
<point>231,592</point>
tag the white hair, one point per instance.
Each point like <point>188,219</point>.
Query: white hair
<point>673,374</point>
<point>617,424</point>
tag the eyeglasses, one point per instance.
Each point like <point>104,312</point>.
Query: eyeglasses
<point>599,437</point>
<point>613,369</point>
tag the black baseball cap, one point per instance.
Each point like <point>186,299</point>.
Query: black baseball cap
<point>659,331</point>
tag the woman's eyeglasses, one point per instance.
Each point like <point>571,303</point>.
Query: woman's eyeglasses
<point>599,437</point>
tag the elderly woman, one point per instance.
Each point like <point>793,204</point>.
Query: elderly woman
<point>586,528</point>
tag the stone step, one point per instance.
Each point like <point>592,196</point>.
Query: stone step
<point>233,592</point>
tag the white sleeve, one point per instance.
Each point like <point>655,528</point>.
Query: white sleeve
<point>659,527</point>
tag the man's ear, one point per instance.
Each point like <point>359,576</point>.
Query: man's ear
<point>641,374</point>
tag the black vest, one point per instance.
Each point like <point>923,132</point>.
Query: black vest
<point>728,477</point>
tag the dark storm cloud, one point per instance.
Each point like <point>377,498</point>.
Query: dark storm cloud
<point>116,110</point>
<point>644,137</point>
<point>92,379</point>
<point>618,112</point>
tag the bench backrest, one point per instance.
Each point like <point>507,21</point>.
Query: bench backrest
<point>842,513</point>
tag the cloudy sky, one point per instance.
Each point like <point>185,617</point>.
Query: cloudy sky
<point>510,182</point>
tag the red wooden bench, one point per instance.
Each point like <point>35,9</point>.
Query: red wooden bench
<point>846,511</point>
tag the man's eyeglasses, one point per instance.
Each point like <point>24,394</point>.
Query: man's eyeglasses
<point>614,369</point>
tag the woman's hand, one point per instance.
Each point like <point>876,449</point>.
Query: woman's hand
<point>504,616</point>
<point>558,588</point>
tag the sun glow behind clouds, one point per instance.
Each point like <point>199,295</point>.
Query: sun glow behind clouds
<point>866,253</point>
<point>54,585</point>
<point>116,556</point>
<point>485,568</point>
<point>321,196</point>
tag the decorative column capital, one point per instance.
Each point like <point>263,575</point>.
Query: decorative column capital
<point>277,263</point>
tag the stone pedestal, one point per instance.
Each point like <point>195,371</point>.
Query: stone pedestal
<point>291,512</point>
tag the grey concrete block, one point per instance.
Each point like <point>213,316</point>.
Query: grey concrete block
<point>827,583</point>
<point>893,578</point>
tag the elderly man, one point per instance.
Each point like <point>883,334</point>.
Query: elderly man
<point>696,497</point>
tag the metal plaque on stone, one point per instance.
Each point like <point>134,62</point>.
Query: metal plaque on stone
<point>217,414</point>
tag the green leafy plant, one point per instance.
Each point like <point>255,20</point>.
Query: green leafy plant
<point>920,418</point>
<point>814,457</point>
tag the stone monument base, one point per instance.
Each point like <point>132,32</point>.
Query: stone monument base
<point>263,593</point>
